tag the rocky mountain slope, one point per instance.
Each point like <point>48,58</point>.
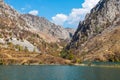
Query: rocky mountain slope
<point>97,37</point>
<point>42,25</point>
<point>26,33</point>
<point>71,31</point>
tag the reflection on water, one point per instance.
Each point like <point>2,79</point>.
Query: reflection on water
<point>58,73</point>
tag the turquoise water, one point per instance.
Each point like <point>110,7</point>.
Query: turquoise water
<point>46,72</point>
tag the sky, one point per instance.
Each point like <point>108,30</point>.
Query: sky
<point>67,13</point>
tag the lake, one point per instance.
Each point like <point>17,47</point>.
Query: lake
<point>52,72</point>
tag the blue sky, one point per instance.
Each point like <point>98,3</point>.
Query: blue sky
<point>66,13</point>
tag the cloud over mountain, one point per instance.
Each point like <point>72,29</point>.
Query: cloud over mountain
<point>76,14</point>
<point>34,12</point>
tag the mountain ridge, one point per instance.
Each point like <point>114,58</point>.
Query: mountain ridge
<point>22,35</point>
<point>104,17</point>
<point>43,25</point>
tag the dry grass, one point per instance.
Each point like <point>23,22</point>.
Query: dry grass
<point>14,57</point>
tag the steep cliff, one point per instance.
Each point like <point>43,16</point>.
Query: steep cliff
<point>93,35</point>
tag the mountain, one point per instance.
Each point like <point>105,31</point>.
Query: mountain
<point>42,25</point>
<point>25,38</point>
<point>71,31</point>
<point>97,38</point>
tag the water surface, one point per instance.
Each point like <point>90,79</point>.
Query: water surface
<point>47,72</point>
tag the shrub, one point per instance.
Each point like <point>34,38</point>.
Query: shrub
<point>67,54</point>
<point>26,49</point>
<point>1,62</point>
<point>10,44</point>
<point>70,56</point>
<point>34,50</point>
<point>1,36</point>
<point>76,60</point>
<point>63,54</point>
<point>20,48</point>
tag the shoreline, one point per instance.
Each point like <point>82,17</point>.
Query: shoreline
<point>82,65</point>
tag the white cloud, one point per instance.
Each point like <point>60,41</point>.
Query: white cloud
<point>76,15</point>
<point>34,12</point>
<point>59,19</point>
<point>88,4</point>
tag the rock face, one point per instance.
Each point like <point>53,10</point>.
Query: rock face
<point>7,14</point>
<point>93,34</point>
<point>71,31</point>
<point>43,25</point>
